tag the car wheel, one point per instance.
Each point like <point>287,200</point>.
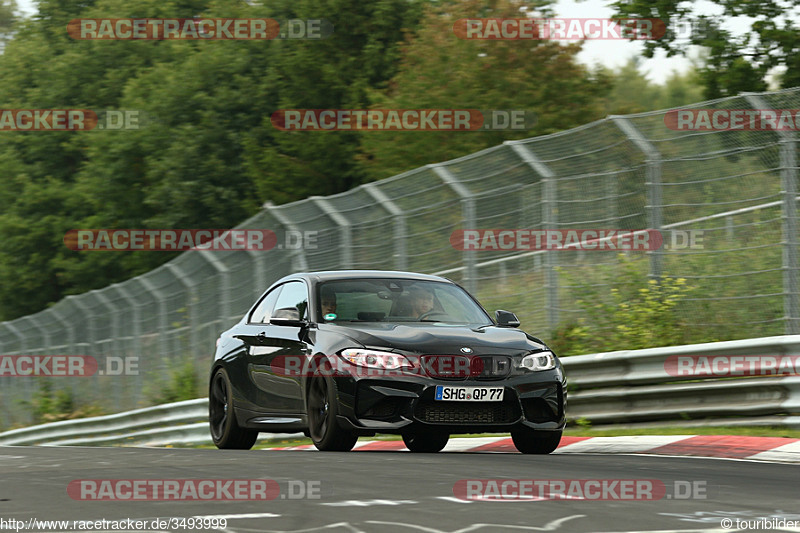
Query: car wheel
<point>426,442</point>
<point>528,440</point>
<point>225,431</point>
<point>322,409</point>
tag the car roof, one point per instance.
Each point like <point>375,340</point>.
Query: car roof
<point>328,275</point>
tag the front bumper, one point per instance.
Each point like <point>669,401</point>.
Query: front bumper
<point>369,405</point>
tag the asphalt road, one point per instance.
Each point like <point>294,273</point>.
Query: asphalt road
<point>392,492</point>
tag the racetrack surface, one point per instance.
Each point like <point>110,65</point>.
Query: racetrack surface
<point>390,491</point>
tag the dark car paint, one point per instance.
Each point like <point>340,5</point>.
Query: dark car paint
<point>270,402</point>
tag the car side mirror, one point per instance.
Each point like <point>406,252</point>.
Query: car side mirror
<point>506,319</point>
<point>288,316</point>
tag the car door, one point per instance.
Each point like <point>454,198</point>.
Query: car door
<point>269,346</point>
<point>253,335</point>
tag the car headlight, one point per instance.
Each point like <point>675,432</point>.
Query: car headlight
<point>375,359</point>
<point>538,361</point>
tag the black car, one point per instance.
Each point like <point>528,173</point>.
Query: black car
<point>343,354</point>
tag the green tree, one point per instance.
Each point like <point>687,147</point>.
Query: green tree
<point>206,156</point>
<point>8,10</point>
<point>441,71</point>
<point>734,63</point>
<point>341,72</point>
<point>632,92</point>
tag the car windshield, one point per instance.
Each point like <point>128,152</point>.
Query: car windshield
<point>396,300</point>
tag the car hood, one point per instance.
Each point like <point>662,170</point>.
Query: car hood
<point>433,338</point>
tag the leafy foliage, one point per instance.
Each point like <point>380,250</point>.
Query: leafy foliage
<point>734,64</point>
<point>630,312</point>
<point>206,154</point>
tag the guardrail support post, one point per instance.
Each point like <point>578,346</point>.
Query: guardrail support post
<point>400,229</point>
<point>468,213</point>
<point>549,222</point>
<point>654,209</point>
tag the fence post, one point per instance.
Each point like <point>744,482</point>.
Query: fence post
<point>162,316</point>
<point>137,322</point>
<point>299,261</point>
<point>68,328</point>
<point>346,248</point>
<point>115,329</point>
<point>88,317</point>
<point>788,154</point>
<point>549,221</point>
<point>400,229</point>
<point>468,213</point>
<point>137,335</point>
<point>13,329</point>
<point>653,183</point>
<point>182,277</point>
<point>47,341</point>
<point>23,345</point>
<point>224,287</point>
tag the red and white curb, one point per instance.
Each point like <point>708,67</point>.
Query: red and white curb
<point>769,449</point>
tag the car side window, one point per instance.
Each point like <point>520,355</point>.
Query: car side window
<point>292,302</point>
<point>263,311</point>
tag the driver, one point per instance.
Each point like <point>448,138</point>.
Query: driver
<point>328,301</point>
<point>421,300</point>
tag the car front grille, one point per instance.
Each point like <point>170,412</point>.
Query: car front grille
<point>459,367</point>
<point>438,412</point>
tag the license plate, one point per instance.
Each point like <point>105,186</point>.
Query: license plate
<point>469,394</point>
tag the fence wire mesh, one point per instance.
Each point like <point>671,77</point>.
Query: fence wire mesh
<point>624,173</point>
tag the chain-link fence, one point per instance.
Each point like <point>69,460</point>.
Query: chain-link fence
<point>624,172</point>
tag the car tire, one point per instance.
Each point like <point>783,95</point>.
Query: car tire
<point>528,440</point>
<point>426,442</point>
<point>322,410</point>
<point>225,430</point>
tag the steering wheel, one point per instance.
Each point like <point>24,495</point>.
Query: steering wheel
<point>429,314</point>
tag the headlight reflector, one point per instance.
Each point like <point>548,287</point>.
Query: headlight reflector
<point>375,359</point>
<point>538,361</point>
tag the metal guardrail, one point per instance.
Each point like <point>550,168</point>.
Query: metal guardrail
<point>174,423</point>
<point>625,387</point>
<point>641,367</point>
